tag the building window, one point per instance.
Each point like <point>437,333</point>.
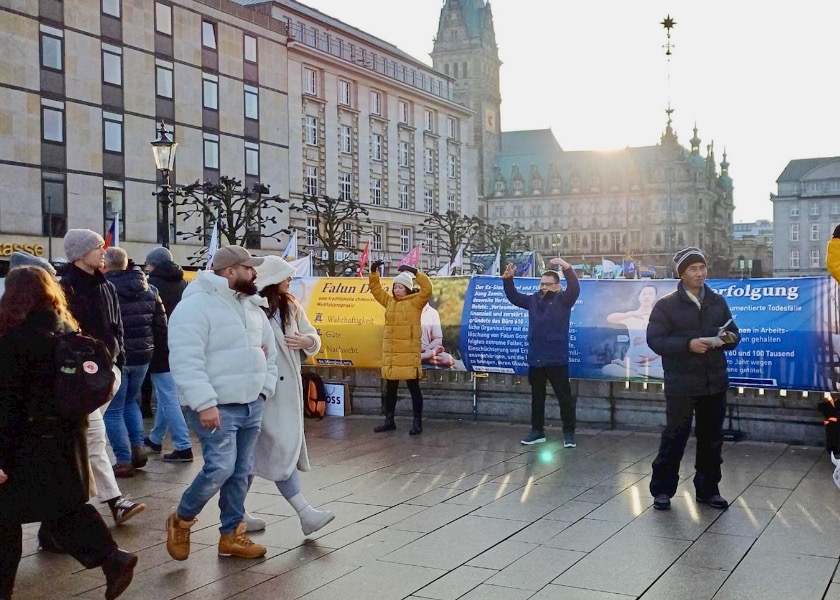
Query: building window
<point>311,231</point>
<point>451,128</point>
<point>794,259</point>
<point>794,232</point>
<point>346,139</point>
<point>311,130</point>
<point>429,201</point>
<point>405,239</point>
<point>430,160</point>
<point>835,208</point>
<point>310,81</point>
<point>451,166</point>
<point>794,210</point>
<point>344,187</point>
<point>376,147</point>
<point>113,125</point>
<point>815,232</point>
<point>250,48</point>
<point>376,192</point>
<point>52,48</point>
<point>403,154</point>
<point>377,237</point>
<point>208,35</point>
<point>114,205</point>
<point>344,92</point>
<point>111,7</point>
<point>429,120</point>
<point>403,111</point>
<point>375,103</point>
<point>310,182</point>
<point>451,202</point>
<point>815,258</point>
<point>347,235</point>
<point>815,209</point>
<point>252,159</point>
<point>111,64</point>
<point>163,18</point>
<point>52,117</point>
<point>164,79</point>
<point>54,206</point>
<point>211,151</point>
<point>430,242</point>
<point>211,91</point>
<point>403,195</point>
<point>252,103</point>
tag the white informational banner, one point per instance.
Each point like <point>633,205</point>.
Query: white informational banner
<point>335,399</point>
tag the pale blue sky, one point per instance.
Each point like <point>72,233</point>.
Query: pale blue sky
<point>760,82</point>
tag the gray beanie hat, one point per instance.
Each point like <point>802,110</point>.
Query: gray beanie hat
<point>24,259</point>
<point>158,256</point>
<point>78,242</point>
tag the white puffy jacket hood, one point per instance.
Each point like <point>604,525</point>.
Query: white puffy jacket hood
<point>221,346</point>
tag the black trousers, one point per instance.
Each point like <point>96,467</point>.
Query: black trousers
<point>413,385</point>
<point>709,412</point>
<point>559,378</point>
<point>81,532</point>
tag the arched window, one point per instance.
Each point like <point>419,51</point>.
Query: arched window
<point>446,68</point>
<point>455,70</point>
<point>464,69</point>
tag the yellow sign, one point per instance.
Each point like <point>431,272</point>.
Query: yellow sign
<point>6,249</point>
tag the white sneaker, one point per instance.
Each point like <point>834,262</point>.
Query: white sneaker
<point>311,519</point>
<point>253,523</point>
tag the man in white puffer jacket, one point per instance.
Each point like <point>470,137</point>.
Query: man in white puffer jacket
<point>223,359</point>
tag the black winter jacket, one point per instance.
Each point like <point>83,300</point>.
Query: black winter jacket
<point>548,320</point>
<point>43,454</point>
<point>93,302</point>
<point>676,320</point>
<point>168,278</point>
<point>143,315</point>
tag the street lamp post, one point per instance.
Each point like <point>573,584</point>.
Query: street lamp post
<point>163,150</point>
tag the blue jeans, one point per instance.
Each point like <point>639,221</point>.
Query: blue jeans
<point>123,419</point>
<point>168,414</point>
<point>228,460</point>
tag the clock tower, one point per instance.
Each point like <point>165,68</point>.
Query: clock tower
<point>465,49</point>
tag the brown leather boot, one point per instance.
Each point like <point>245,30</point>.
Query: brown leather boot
<point>178,536</point>
<point>236,543</point>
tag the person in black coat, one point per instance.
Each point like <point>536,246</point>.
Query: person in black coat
<point>144,319</point>
<point>168,278</point>
<point>43,456</point>
<point>549,312</point>
<point>691,328</point>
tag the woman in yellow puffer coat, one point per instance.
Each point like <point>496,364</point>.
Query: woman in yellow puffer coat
<point>401,341</point>
<point>832,256</point>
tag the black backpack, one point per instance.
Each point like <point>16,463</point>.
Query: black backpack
<point>84,376</point>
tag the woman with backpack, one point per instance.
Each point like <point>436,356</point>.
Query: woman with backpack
<point>401,341</point>
<point>44,472</point>
<point>281,447</point>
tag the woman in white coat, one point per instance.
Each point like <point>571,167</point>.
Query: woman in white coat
<point>281,446</point>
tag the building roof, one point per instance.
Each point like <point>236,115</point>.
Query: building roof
<point>473,13</point>
<point>799,168</point>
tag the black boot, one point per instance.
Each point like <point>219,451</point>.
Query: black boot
<point>47,541</point>
<point>388,425</point>
<point>119,571</point>
<point>416,427</point>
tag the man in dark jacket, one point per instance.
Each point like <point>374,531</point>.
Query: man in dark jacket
<point>168,278</point>
<point>144,318</point>
<point>549,311</point>
<point>691,328</point>
<point>93,302</point>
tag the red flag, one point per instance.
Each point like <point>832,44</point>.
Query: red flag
<point>111,238</point>
<point>412,258</point>
<point>363,259</point>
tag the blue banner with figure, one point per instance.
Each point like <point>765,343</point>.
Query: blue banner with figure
<point>790,336</point>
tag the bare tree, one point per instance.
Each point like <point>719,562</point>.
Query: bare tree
<point>339,225</point>
<point>504,238</point>
<point>245,215</point>
<point>452,230</point>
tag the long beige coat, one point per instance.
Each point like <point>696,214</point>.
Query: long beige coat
<point>281,446</point>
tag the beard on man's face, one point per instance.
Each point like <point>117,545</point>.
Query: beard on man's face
<point>245,286</point>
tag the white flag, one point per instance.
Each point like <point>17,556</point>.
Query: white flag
<point>214,245</point>
<point>291,251</point>
<point>496,268</point>
<point>458,263</point>
<point>607,268</point>
<point>303,266</point>
<point>445,270</point>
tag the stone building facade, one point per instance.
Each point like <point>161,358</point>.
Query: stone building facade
<point>806,210</point>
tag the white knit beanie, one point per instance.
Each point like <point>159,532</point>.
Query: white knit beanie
<point>405,278</point>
